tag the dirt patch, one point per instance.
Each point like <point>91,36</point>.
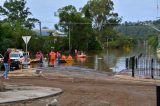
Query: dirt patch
<point>82,91</point>
<point>2,87</point>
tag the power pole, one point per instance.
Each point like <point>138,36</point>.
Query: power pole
<point>40,29</point>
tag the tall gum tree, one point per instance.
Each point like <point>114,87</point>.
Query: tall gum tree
<point>16,13</point>
<point>103,18</point>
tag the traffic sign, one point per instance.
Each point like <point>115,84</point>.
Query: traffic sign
<point>26,39</point>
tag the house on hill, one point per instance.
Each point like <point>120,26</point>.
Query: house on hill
<point>49,32</point>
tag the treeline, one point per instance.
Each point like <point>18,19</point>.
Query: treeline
<point>144,30</point>
<point>89,28</point>
<point>138,29</point>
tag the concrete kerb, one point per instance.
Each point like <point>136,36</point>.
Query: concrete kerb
<point>24,96</point>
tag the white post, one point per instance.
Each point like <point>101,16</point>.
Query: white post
<point>26,40</point>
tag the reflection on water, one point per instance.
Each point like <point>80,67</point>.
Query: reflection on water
<point>109,60</point>
<point>113,59</point>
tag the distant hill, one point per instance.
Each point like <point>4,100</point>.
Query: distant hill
<point>138,29</point>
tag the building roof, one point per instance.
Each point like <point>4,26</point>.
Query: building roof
<point>48,32</point>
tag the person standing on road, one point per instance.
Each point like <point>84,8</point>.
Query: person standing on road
<point>59,57</point>
<point>6,62</point>
<point>41,59</point>
<point>52,57</point>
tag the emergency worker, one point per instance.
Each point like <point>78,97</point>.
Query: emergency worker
<point>52,56</point>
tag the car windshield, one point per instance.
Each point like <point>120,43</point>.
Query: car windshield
<point>14,55</point>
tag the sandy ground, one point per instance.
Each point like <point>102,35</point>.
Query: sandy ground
<point>89,91</point>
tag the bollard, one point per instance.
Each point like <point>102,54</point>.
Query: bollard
<point>31,68</point>
<point>158,94</point>
<point>21,66</point>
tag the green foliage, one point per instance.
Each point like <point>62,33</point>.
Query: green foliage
<point>89,27</point>
<point>12,37</point>
<point>71,22</point>
<point>153,40</point>
<point>6,43</point>
<point>17,14</point>
<point>100,12</point>
<point>135,30</point>
<point>120,42</point>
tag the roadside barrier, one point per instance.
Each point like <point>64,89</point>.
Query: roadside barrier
<point>143,66</point>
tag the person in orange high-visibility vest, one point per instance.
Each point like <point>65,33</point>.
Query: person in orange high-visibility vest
<point>69,57</point>
<point>52,56</point>
<point>63,57</point>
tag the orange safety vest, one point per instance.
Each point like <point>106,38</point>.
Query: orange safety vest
<point>69,57</point>
<point>63,57</point>
<point>52,55</point>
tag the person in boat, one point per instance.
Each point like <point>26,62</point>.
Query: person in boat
<point>69,57</point>
<point>63,57</point>
<point>81,55</point>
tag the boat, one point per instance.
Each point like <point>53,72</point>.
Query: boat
<point>66,60</point>
<point>81,56</point>
<point>63,61</point>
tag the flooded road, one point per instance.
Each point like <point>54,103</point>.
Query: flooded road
<point>112,60</point>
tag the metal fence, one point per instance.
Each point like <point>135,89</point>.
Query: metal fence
<point>143,66</point>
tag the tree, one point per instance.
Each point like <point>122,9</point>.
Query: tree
<point>102,17</point>
<point>72,22</point>
<point>100,12</point>
<point>16,13</point>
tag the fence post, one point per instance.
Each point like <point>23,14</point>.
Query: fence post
<point>136,63</point>
<point>152,74</point>
<point>158,94</point>
<point>133,65</point>
<point>127,65</point>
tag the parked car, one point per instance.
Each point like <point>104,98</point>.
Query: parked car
<point>16,60</point>
<point>1,58</point>
<point>1,61</point>
<point>14,64</point>
<point>26,59</point>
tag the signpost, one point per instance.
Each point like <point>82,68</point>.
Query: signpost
<point>26,40</point>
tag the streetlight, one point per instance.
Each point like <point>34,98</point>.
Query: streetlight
<point>40,29</point>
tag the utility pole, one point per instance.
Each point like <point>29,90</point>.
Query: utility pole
<point>40,29</point>
<point>69,40</point>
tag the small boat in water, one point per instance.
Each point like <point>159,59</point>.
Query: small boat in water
<point>69,59</point>
<point>66,60</point>
<point>81,56</point>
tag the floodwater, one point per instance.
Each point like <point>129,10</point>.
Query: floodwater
<point>111,60</point>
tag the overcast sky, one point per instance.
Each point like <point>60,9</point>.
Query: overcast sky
<point>129,10</point>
